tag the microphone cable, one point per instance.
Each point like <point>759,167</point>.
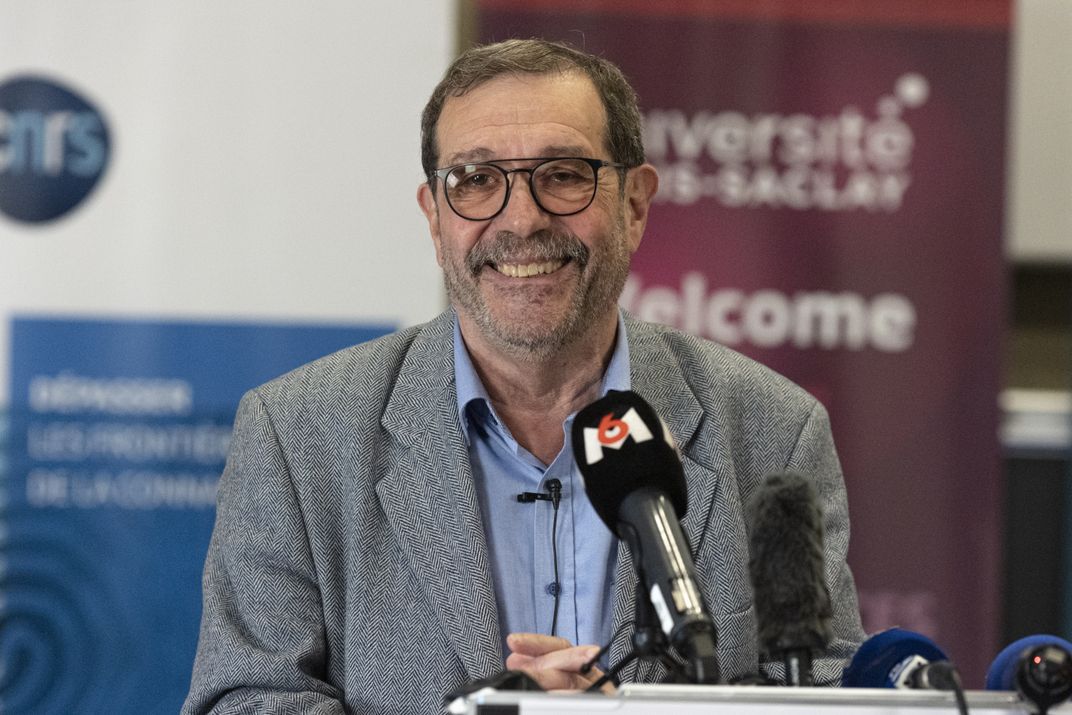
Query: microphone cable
<point>555,487</point>
<point>941,675</point>
<point>591,663</point>
<point>553,495</point>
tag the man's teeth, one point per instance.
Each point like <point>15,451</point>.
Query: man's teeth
<point>515,270</point>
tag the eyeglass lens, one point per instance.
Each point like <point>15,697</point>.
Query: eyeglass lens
<point>561,186</point>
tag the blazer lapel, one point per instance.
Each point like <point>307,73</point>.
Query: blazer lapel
<point>654,375</point>
<point>430,502</point>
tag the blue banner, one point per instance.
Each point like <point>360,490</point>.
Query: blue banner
<point>118,434</point>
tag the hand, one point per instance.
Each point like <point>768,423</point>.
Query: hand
<point>553,662</point>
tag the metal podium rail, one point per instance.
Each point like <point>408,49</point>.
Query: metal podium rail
<point>751,700</point>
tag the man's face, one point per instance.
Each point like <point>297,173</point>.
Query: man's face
<point>529,281</point>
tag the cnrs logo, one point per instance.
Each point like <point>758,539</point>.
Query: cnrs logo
<point>54,149</point>
<point>612,433</point>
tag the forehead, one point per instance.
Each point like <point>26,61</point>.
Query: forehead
<point>517,116</point>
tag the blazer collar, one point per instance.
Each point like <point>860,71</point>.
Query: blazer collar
<point>658,378</point>
<point>429,498</point>
<point>425,376</point>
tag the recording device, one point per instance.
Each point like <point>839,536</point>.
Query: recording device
<point>1038,667</point>
<point>792,602</point>
<point>897,658</point>
<point>553,494</point>
<point>636,484</point>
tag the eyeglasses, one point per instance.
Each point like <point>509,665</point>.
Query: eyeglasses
<point>562,186</point>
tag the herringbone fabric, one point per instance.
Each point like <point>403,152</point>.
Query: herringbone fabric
<point>348,570</point>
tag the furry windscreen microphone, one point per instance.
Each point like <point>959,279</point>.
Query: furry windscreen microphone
<point>792,602</point>
<point>621,446</point>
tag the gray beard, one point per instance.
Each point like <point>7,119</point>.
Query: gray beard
<point>591,299</point>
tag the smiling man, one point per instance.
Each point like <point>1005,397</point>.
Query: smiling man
<point>371,553</point>
<point>535,250</point>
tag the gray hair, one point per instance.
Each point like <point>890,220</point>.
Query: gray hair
<point>515,57</point>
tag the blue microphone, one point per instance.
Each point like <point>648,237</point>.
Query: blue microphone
<point>896,658</point>
<point>1038,667</point>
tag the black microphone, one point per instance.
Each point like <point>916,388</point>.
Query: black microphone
<point>636,484</point>
<point>792,602</point>
<point>553,494</point>
<point>1039,667</point>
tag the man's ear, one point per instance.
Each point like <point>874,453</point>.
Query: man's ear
<point>641,184</point>
<point>427,201</point>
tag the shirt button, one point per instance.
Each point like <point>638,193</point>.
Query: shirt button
<point>552,589</point>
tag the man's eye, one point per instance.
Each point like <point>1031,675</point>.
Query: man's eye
<point>475,180</point>
<point>563,176</point>
<point>478,179</point>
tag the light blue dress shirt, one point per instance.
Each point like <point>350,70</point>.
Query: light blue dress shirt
<point>519,534</point>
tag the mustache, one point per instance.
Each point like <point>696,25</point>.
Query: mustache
<point>543,245</point>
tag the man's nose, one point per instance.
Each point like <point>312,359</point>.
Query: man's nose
<point>521,212</point>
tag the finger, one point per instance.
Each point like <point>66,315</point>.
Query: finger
<point>535,644</point>
<point>557,670</point>
<point>570,662</point>
<point>567,659</point>
<point>555,679</point>
<point>563,660</point>
<point>519,661</point>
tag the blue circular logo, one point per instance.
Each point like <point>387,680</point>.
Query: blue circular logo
<point>54,148</point>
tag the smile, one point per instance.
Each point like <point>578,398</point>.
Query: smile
<point>525,270</point>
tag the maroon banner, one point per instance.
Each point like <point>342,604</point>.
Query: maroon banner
<point>831,204</point>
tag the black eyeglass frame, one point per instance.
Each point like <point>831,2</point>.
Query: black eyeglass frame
<point>596,165</point>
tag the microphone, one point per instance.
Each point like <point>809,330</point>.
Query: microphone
<point>636,484</point>
<point>1039,667</point>
<point>792,602</point>
<point>553,494</point>
<point>896,658</point>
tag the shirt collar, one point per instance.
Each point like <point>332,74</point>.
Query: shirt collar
<point>471,389</point>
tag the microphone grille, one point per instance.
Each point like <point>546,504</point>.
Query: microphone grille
<point>1002,672</point>
<point>793,608</point>
<point>621,446</point>
<point>883,654</point>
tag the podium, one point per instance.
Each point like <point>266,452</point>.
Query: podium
<point>747,700</point>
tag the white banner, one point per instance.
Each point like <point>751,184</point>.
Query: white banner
<point>195,197</point>
<point>262,163</point>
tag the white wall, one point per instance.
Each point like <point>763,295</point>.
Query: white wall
<point>1040,168</point>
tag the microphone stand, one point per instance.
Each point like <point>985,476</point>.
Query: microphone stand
<point>798,667</point>
<point>649,642</point>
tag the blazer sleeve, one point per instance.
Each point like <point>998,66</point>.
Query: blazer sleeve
<point>816,457</point>
<point>262,640</point>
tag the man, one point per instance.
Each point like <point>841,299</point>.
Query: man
<point>370,554</point>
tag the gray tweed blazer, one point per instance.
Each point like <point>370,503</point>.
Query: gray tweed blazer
<point>348,570</point>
